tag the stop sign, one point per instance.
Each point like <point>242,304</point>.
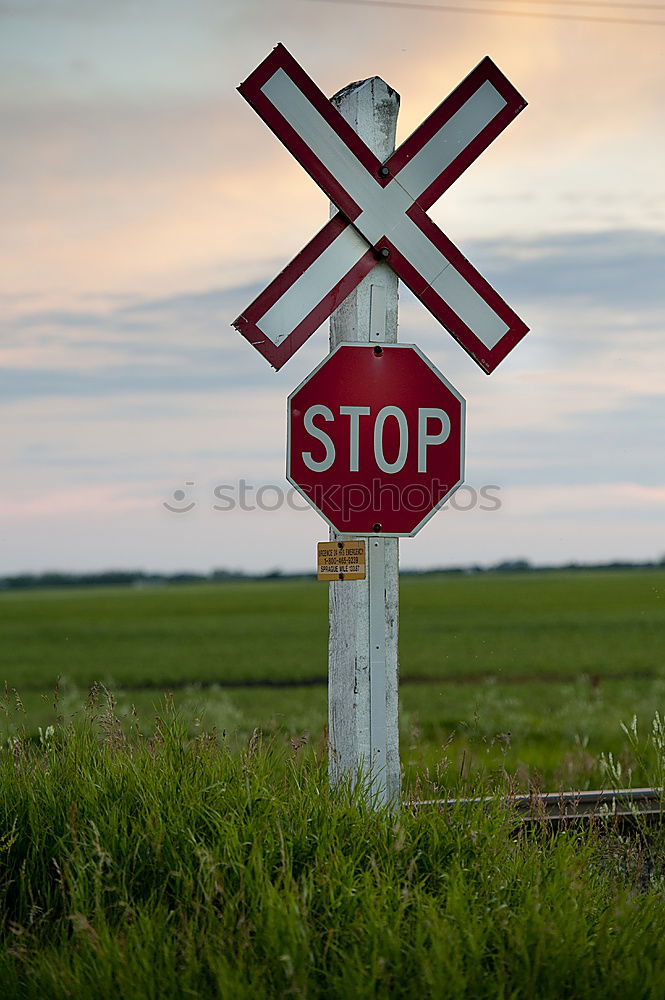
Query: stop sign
<point>376,439</point>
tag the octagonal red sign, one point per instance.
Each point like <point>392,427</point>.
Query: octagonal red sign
<point>376,439</point>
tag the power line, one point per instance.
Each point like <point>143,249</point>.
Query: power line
<point>594,3</point>
<point>549,15</point>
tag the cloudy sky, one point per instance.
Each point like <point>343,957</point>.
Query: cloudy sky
<point>144,205</point>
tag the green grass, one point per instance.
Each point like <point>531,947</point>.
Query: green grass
<point>532,671</point>
<point>165,635</point>
<point>558,624</point>
<point>550,735</point>
<point>203,854</point>
<point>166,867</point>
<point>530,624</point>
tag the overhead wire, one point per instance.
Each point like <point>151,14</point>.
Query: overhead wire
<point>590,3</point>
<point>543,15</point>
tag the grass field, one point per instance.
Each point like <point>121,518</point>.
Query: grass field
<point>531,671</point>
<point>188,845</point>
<point>169,867</point>
<point>556,624</point>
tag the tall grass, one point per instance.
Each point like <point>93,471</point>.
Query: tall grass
<point>172,867</point>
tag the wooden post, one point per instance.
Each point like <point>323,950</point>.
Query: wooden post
<point>363,614</point>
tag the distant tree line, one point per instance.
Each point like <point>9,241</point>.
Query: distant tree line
<point>113,578</point>
<point>139,578</point>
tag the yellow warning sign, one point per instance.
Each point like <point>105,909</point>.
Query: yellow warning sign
<point>341,560</point>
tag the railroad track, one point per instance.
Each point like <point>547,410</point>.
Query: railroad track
<point>625,807</point>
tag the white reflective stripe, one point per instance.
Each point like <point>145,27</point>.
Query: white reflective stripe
<point>463,299</point>
<point>324,142</point>
<point>312,286</point>
<point>439,152</point>
<point>388,206</point>
<point>418,249</point>
<point>393,223</point>
<point>447,282</point>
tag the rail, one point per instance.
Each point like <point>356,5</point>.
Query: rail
<point>625,806</point>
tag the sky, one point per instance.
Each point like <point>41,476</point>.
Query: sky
<point>145,204</point>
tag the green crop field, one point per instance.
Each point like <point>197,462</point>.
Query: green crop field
<point>532,671</point>
<point>157,845</point>
<point>555,624</point>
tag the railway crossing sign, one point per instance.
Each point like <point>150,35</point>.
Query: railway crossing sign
<point>376,439</point>
<point>375,432</point>
<point>382,211</point>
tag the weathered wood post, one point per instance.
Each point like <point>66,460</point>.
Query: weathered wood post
<point>363,614</point>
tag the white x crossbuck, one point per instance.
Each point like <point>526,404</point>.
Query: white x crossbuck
<point>382,211</point>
